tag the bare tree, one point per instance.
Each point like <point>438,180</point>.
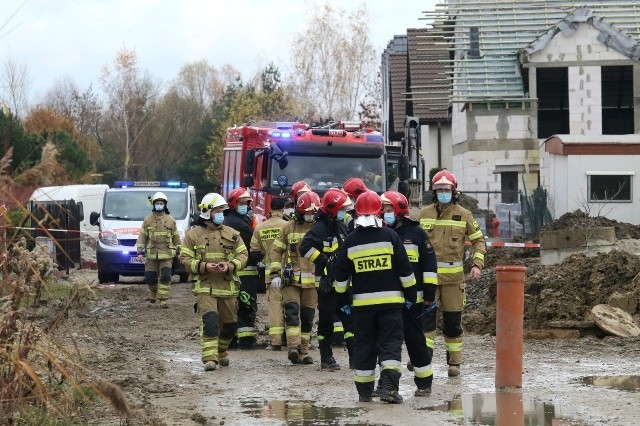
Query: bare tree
<point>199,82</point>
<point>333,60</point>
<point>14,86</point>
<point>83,108</point>
<point>131,97</point>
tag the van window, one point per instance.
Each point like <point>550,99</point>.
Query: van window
<point>135,205</point>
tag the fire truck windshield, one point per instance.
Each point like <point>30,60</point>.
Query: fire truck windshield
<point>322,173</point>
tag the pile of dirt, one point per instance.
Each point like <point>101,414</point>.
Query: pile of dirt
<point>579,219</point>
<point>563,292</point>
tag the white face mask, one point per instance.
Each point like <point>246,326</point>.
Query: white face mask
<point>159,207</point>
<point>308,218</point>
<point>288,212</point>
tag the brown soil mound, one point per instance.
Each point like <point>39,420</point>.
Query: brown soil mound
<point>579,219</point>
<point>566,291</point>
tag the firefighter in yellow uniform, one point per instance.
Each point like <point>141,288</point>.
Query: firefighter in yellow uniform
<point>296,275</point>
<point>159,241</point>
<point>447,225</point>
<point>263,237</point>
<point>213,254</point>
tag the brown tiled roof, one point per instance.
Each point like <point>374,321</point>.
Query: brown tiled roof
<point>398,76</point>
<point>429,87</point>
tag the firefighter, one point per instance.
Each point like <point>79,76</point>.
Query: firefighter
<point>320,246</point>
<point>159,241</point>
<point>374,259</point>
<point>447,225</point>
<point>395,209</point>
<point>357,171</point>
<point>213,254</point>
<point>289,210</point>
<point>295,275</point>
<point>263,237</point>
<point>237,217</point>
<point>354,187</point>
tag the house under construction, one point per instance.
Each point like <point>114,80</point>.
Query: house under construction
<point>539,93</point>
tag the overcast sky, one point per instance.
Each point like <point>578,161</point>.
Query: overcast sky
<point>76,38</point>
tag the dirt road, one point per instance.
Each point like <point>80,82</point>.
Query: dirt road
<point>153,354</point>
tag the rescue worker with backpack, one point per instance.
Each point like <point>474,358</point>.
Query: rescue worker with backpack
<point>263,237</point>
<point>159,241</point>
<point>295,275</point>
<point>375,261</point>
<point>423,261</point>
<point>447,224</point>
<point>320,245</point>
<point>213,254</point>
<point>237,217</point>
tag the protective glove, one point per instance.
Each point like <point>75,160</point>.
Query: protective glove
<point>408,304</point>
<point>325,286</point>
<point>346,309</point>
<point>275,282</point>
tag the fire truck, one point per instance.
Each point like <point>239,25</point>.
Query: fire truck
<point>269,157</point>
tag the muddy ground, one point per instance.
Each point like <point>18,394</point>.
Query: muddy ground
<point>154,355</point>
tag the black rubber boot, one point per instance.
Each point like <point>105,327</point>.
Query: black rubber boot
<point>349,343</point>
<point>327,361</point>
<point>390,396</point>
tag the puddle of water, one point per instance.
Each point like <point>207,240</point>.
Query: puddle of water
<point>625,383</point>
<point>179,357</point>
<point>504,408</point>
<point>299,412</point>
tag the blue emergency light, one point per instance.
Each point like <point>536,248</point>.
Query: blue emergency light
<point>281,135</point>
<point>374,138</point>
<point>163,184</point>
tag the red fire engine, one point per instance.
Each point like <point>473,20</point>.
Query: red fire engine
<point>269,157</point>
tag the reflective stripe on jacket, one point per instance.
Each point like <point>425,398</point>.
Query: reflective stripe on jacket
<point>213,243</point>
<point>376,262</point>
<point>447,231</point>
<point>159,238</point>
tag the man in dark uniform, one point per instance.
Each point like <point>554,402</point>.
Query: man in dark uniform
<point>236,217</point>
<point>320,245</point>
<point>375,261</point>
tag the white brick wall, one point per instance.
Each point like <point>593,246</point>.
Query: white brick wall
<point>585,100</point>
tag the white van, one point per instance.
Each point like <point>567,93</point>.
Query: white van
<point>88,197</point>
<point>124,208</point>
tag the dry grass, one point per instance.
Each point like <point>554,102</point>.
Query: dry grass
<point>41,382</point>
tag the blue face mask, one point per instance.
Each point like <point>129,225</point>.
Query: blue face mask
<point>444,197</point>
<point>159,207</point>
<point>218,218</point>
<point>341,214</point>
<point>389,218</point>
<point>242,210</point>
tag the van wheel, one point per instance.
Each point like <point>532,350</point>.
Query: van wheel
<point>103,277</point>
<point>184,278</point>
<point>115,278</point>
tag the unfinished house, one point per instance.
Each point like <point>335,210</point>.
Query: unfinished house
<point>546,93</point>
